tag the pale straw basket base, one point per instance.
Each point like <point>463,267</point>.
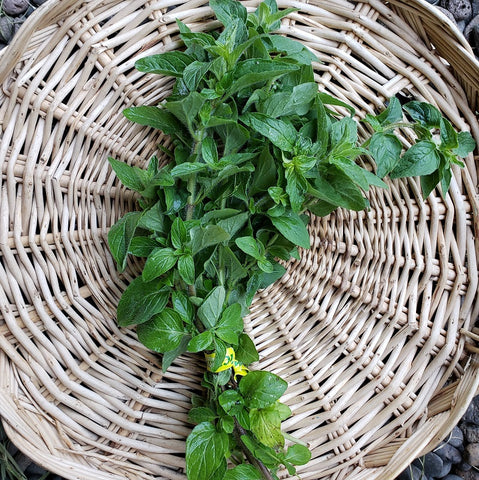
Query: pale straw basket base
<point>372,328</point>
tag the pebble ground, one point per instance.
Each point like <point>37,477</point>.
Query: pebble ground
<point>457,457</point>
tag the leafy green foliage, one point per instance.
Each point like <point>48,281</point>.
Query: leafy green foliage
<point>254,146</point>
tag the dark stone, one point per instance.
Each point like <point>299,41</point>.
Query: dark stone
<point>472,454</point>
<point>38,2</point>
<point>411,473</point>
<point>456,438</point>
<point>469,475</point>
<point>431,463</point>
<point>448,453</point>
<point>451,476</point>
<point>460,9</point>
<point>6,29</point>
<point>471,432</point>
<point>472,412</point>
<point>475,7</point>
<point>15,7</point>
<point>446,468</point>
<point>464,466</point>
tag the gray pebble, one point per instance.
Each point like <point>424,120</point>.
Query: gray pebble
<point>475,7</point>
<point>460,9</point>
<point>411,473</point>
<point>472,25</point>
<point>431,463</point>
<point>6,29</point>
<point>464,466</point>
<point>448,453</point>
<point>15,7</point>
<point>472,412</point>
<point>471,432</point>
<point>469,475</point>
<point>472,454</point>
<point>446,468</point>
<point>38,2</point>
<point>456,437</point>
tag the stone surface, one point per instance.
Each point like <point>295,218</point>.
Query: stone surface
<point>446,468</point>
<point>472,454</point>
<point>456,437</point>
<point>411,473</point>
<point>6,29</point>
<point>469,475</point>
<point>15,7</point>
<point>431,463</point>
<point>448,453</point>
<point>460,9</point>
<point>471,433</point>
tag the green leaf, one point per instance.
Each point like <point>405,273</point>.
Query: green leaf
<point>280,133</point>
<point>154,117</point>
<point>178,233</point>
<point>231,402</point>
<point>466,144</point>
<point>252,71</point>
<point>386,149</point>
<point>233,224</point>
<point>292,48</point>
<point>120,237</point>
<point>449,137</point>
<point>230,325</point>
<point>229,11</point>
<point>246,352</point>
<point>209,151</point>
<point>421,159</point>
<point>186,268</point>
<point>153,219</point>
<point>201,414</point>
<point>130,176</point>
<point>335,187</point>
<point>212,307</point>
<point>243,472</point>
<point>424,113</point>
<point>266,426</point>
<point>298,455</point>
<point>327,99</point>
<point>172,355</point>
<point>201,342</point>
<point>203,237</point>
<point>142,246</point>
<point>292,227</point>
<point>206,449</point>
<point>160,261</point>
<point>182,305</point>
<point>249,245</point>
<point>429,182</point>
<point>140,301</point>
<point>184,170</point>
<point>187,108</point>
<point>261,389</point>
<point>168,63</point>
<point>163,332</point>
<point>194,73</point>
<point>392,114</point>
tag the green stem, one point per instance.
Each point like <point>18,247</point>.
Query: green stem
<point>238,431</point>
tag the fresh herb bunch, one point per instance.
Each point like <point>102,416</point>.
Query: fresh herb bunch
<point>255,146</point>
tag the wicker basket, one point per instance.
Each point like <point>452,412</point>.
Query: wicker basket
<point>372,328</point>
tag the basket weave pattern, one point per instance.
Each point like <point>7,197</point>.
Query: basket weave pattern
<point>371,328</point>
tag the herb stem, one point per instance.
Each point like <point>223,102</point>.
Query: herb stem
<point>238,431</point>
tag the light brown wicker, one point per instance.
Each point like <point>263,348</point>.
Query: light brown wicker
<point>372,328</point>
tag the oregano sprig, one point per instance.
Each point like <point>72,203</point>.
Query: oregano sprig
<point>255,147</point>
